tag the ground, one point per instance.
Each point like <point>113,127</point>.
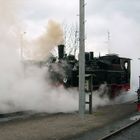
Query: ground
<point>62,126</point>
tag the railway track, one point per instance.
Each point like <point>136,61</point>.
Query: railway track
<point>122,129</point>
<point>6,117</point>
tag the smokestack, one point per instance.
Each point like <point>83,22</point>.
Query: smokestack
<point>91,55</point>
<point>86,57</point>
<point>61,51</point>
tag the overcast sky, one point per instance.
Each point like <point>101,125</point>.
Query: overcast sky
<point>120,17</point>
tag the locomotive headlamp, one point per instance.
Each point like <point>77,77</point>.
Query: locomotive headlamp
<point>65,79</point>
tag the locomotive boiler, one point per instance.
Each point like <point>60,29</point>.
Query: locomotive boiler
<point>110,69</point>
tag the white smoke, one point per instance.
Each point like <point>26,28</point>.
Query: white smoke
<point>24,88</point>
<point>101,97</point>
<point>53,36</point>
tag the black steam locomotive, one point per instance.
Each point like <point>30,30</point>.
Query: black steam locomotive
<point>110,69</point>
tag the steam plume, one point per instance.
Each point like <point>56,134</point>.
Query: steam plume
<point>52,37</point>
<point>28,89</point>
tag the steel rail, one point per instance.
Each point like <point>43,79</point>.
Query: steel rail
<point>119,130</point>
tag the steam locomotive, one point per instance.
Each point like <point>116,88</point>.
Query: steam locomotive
<point>112,70</point>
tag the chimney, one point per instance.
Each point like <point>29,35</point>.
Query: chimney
<point>61,51</point>
<point>91,55</point>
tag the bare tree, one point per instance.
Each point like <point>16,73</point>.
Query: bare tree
<point>71,38</point>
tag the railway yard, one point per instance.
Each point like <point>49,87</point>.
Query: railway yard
<point>98,125</point>
<point>75,77</point>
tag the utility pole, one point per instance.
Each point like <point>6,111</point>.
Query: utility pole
<point>21,46</point>
<point>82,59</point>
